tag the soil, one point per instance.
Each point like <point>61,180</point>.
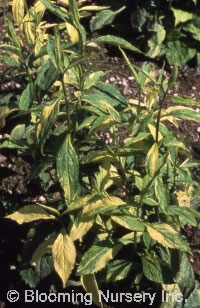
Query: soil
<point>13,191</point>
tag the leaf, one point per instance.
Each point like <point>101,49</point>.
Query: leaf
<point>29,26</point>
<point>178,52</point>
<point>97,258</point>
<point>181,16</point>
<point>12,34</point>
<point>184,113</point>
<point>56,10</point>
<point>103,104</point>
<point>27,98</point>
<point>83,227</point>
<point>185,276</point>
<point>185,100</point>
<point>152,268</point>
<point>33,275</point>
<point>116,41</point>
<point>152,160</point>
<point>48,117</point>
<point>30,213</point>
<point>103,18</point>
<point>46,77</point>
<point>129,222</point>
<point>42,249</point>
<point>92,79</point>
<point>89,283</point>
<point>161,194</point>
<point>117,270</point>
<point>167,236</point>
<point>18,7</point>
<point>67,166</point>
<point>64,255</point>
<point>184,216</point>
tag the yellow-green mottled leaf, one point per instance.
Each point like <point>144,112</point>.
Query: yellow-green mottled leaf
<point>129,222</point>
<point>73,33</point>
<point>18,7</point>
<point>90,285</point>
<point>184,113</point>
<point>29,25</point>
<point>64,256</point>
<point>83,227</point>
<point>42,249</point>
<point>97,257</point>
<point>152,159</point>
<point>48,118</point>
<point>30,213</point>
<point>153,132</point>
<point>67,165</point>
<point>167,236</point>
<point>152,268</point>
<point>81,202</point>
<point>181,16</point>
<point>92,79</point>
<point>161,194</point>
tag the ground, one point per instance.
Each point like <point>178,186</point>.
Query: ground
<point>13,192</point>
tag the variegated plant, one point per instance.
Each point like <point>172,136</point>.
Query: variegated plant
<point>95,234</point>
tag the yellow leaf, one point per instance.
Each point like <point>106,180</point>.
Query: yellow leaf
<point>152,159</point>
<point>153,132</point>
<point>105,202</point>
<point>83,227</point>
<point>18,7</point>
<point>89,283</point>
<point>30,213</point>
<point>64,255</point>
<point>183,198</point>
<point>181,16</point>
<point>73,33</point>
<point>160,232</point>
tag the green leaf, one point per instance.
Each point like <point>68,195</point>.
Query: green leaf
<point>194,299</point>
<point>152,268</point>
<point>178,52</point>
<point>56,10</point>
<point>185,276</point>
<point>92,79</point>
<point>30,213</point>
<point>97,258</point>
<point>161,194</point>
<point>48,117</point>
<point>47,75</point>
<point>103,104</point>
<point>67,165</point>
<point>104,18</point>
<point>152,159</point>
<point>184,216</point>
<point>117,270</point>
<point>116,41</point>
<point>33,275</point>
<point>184,113</point>
<point>167,236</point>
<point>13,49</point>
<point>64,255</point>
<point>43,248</point>
<point>129,222</point>
<point>185,100</point>
<point>27,98</point>
<point>12,34</point>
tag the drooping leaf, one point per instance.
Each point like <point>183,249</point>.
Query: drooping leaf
<point>90,285</point>
<point>64,255</point>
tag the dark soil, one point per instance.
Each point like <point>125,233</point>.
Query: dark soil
<point>14,193</point>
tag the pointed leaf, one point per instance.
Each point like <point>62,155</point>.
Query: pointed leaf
<point>42,249</point>
<point>129,222</point>
<point>89,283</point>
<point>67,165</point>
<point>64,255</point>
<point>97,258</point>
<point>30,213</point>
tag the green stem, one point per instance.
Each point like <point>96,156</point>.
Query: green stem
<point>67,105</point>
<point>159,115</point>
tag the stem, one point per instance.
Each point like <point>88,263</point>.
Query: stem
<point>159,115</point>
<point>67,105</point>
